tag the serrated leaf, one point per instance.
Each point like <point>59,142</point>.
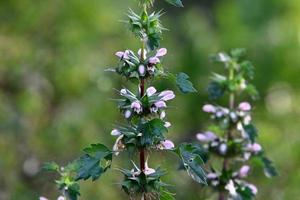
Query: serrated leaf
<point>251,132</point>
<point>183,83</point>
<point>269,168</point>
<point>94,163</point>
<point>192,162</point>
<point>177,3</point>
<point>152,130</point>
<point>238,53</point>
<point>215,90</point>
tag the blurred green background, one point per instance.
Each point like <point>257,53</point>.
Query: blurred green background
<point>55,97</point>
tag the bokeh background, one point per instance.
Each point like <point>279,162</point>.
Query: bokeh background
<point>55,97</point>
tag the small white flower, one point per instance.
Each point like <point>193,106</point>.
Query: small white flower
<point>140,53</point>
<point>118,145</point>
<point>150,91</point>
<point>142,70</point>
<point>127,114</point>
<point>148,170</point>
<point>162,115</point>
<point>247,119</point>
<point>43,198</point>
<point>212,175</point>
<point>223,149</point>
<point>123,91</point>
<point>231,188</point>
<point>167,124</point>
<point>115,132</point>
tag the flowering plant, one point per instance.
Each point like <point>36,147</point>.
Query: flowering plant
<point>145,114</point>
<point>233,137</point>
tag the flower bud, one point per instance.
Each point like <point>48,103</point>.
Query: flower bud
<point>150,91</point>
<point>43,198</point>
<point>209,108</point>
<point>167,124</point>
<point>160,104</point>
<point>212,175</point>
<point>254,148</point>
<point>223,149</point>
<point>137,107</point>
<point>162,115</point>
<point>142,70</point>
<point>115,132</point>
<point>161,52</point>
<point>244,171</point>
<point>168,144</point>
<point>127,114</point>
<point>167,95</point>
<point>253,188</point>
<point>244,106</point>
<point>154,60</point>
<point>61,198</point>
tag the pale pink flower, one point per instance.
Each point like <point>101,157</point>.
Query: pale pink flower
<point>61,198</point>
<point>162,115</point>
<point>168,144</point>
<point>206,137</point>
<point>167,95</point>
<point>118,145</point>
<point>43,198</point>
<point>150,91</point>
<point>154,60</point>
<point>160,104</point>
<point>161,52</point>
<point>245,106</point>
<point>231,188</point>
<point>254,148</point>
<point>212,175</point>
<point>137,107</point>
<point>244,171</point>
<point>223,148</point>
<point>209,108</point>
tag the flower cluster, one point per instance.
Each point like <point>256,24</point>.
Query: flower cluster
<point>234,137</point>
<point>151,102</point>
<point>140,66</point>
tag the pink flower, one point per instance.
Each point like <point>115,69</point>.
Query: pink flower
<point>160,104</point>
<point>206,137</point>
<point>137,107</point>
<point>212,175</point>
<point>167,95</point>
<point>61,198</point>
<point>161,52</point>
<point>150,91</point>
<point>245,106</point>
<point>254,148</point>
<point>168,144</point>
<point>43,198</point>
<point>123,55</point>
<point>209,108</point>
<point>154,60</point>
<point>244,171</point>
<point>142,70</point>
<point>253,188</point>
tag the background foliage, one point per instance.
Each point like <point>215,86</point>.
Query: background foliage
<point>55,95</point>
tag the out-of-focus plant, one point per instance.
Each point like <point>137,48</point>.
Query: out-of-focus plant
<point>145,113</point>
<point>232,139</point>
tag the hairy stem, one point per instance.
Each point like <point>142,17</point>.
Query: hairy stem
<point>222,195</point>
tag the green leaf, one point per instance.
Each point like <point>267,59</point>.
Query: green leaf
<point>153,130</point>
<point>269,168</point>
<point>94,163</point>
<point>184,84</point>
<point>166,195</point>
<point>51,166</point>
<point>73,191</point>
<point>238,53</point>
<point>192,162</point>
<point>177,3</point>
<point>251,132</point>
<point>215,90</point>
